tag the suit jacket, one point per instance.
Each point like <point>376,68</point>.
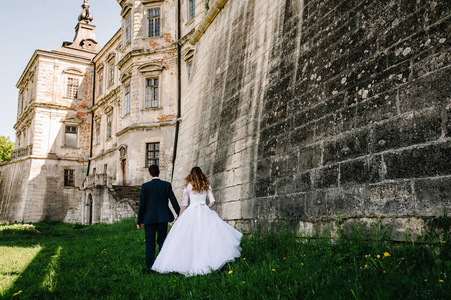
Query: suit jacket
<point>153,202</point>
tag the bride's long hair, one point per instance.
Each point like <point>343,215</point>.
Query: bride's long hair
<point>198,180</point>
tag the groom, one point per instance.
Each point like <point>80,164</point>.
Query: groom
<point>154,211</point>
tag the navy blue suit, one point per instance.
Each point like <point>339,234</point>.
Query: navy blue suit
<point>155,214</point>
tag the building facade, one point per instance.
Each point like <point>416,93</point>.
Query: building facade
<point>309,112</point>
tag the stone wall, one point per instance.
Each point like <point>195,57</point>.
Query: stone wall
<point>312,110</point>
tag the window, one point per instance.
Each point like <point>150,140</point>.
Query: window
<point>191,9</point>
<point>100,82</point>
<point>72,87</point>
<point>152,93</point>
<point>127,100</point>
<point>153,15</point>
<point>127,31</point>
<point>190,69</point>
<point>97,132</point>
<point>110,74</point>
<point>94,171</point>
<point>152,154</point>
<point>69,178</point>
<point>109,125</point>
<point>105,169</point>
<point>70,136</point>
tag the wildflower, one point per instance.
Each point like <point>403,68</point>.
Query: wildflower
<point>425,280</point>
<point>366,255</point>
<point>358,227</point>
<point>244,281</point>
<point>273,270</point>
<point>244,258</point>
<point>378,256</point>
<point>386,254</point>
<point>366,266</point>
<point>402,258</point>
<point>105,267</point>
<point>385,272</point>
<point>230,272</point>
<point>15,294</point>
<point>302,264</point>
<point>339,267</point>
<point>270,215</point>
<point>284,258</point>
<point>444,242</point>
<point>441,280</point>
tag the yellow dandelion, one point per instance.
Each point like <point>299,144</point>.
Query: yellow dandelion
<point>402,258</point>
<point>444,242</point>
<point>385,272</point>
<point>386,254</point>
<point>105,267</point>
<point>441,280</point>
<point>244,281</point>
<point>358,227</point>
<point>378,256</point>
<point>302,264</point>
<point>366,255</point>
<point>425,280</point>
<point>244,258</point>
<point>273,270</point>
<point>15,294</point>
<point>366,266</point>
<point>230,272</point>
<point>284,258</point>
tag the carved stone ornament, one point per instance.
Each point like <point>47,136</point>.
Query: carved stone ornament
<point>125,76</point>
<point>85,15</point>
<point>72,120</point>
<point>97,117</point>
<point>108,109</point>
<point>73,71</point>
<point>122,152</point>
<point>151,68</point>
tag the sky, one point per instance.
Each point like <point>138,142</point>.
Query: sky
<point>27,25</point>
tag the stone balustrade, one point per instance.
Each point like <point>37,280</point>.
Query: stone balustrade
<point>22,152</point>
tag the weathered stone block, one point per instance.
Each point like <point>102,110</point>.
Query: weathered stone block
<point>433,196</point>
<point>431,160</point>
<point>351,145</point>
<point>414,128</point>
<point>360,171</point>
<point>388,199</point>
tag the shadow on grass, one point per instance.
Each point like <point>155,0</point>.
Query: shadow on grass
<point>34,274</point>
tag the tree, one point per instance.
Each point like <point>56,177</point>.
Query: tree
<point>6,146</point>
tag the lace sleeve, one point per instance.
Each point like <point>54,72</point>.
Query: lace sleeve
<point>210,194</point>
<point>185,197</point>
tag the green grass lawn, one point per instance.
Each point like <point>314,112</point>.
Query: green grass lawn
<point>65,261</point>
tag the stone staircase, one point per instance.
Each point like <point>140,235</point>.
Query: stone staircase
<point>127,193</point>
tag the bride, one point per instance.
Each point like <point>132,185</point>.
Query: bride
<point>199,240</point>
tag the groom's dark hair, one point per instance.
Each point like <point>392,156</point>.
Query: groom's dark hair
<point>154,170</point>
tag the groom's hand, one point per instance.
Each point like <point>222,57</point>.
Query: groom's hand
<point>138,226</point>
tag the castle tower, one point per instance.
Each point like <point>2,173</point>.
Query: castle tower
<point>53,131</point>
<point>85,40</point>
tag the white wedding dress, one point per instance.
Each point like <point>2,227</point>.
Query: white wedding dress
<point>199,241</point>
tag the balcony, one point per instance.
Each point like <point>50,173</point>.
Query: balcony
<point>22,152</point>
<point>97,180</point>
